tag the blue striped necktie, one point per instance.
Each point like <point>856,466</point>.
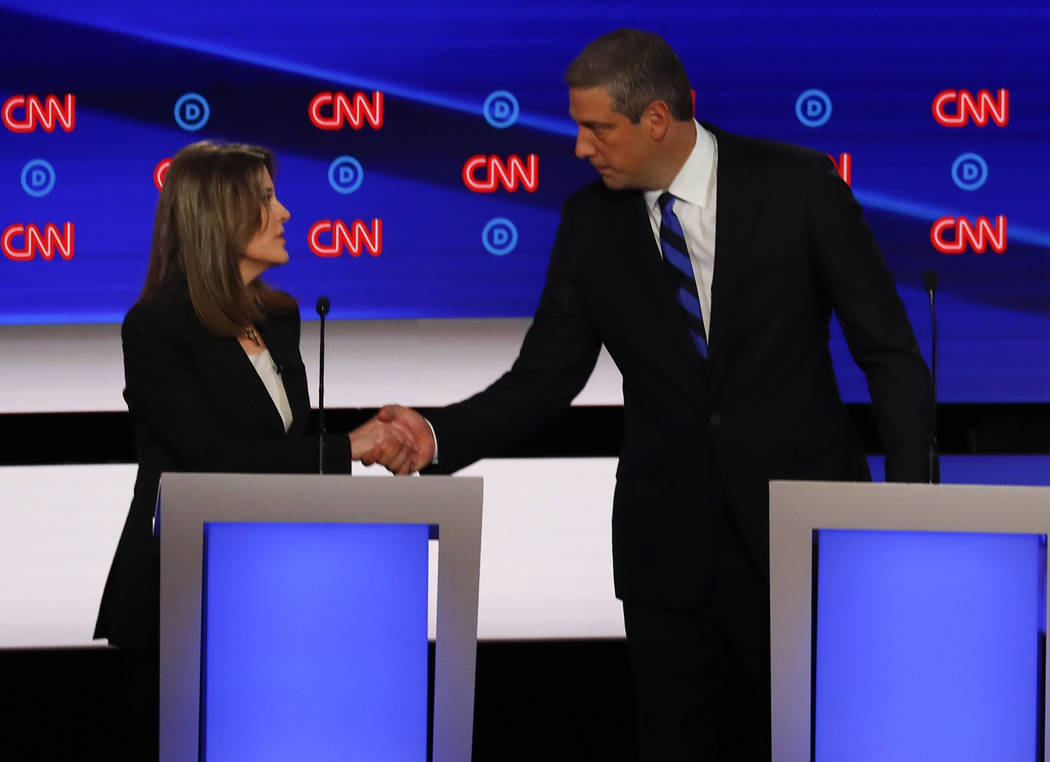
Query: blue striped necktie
<point>679,269</point>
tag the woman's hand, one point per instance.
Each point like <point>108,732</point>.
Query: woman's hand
<point>382,442</point>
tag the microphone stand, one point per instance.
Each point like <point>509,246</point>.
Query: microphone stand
<point>933,456</point>
<point>323,306</point>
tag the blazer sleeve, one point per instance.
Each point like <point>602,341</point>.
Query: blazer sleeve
<point>556,358</point>
<point>166,392</point>
<point>877,330</point>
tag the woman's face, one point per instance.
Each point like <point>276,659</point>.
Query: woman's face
<point>267,247</point>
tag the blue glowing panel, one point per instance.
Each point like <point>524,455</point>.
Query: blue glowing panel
<point>1013,470</point>
<point>314,642</point>
<point>928,646</point>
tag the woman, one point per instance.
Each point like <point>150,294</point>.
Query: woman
<point>214,378</point>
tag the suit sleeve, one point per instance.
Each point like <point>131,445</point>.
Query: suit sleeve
<point>874,322</point>
<point>556,358</point>
<point>165,391</point>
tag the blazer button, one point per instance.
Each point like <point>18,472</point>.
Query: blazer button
<point>715,419</point>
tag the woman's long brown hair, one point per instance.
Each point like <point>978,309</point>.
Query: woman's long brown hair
<point>211,205</point>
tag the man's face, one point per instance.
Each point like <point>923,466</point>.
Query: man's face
<point>622,152</point>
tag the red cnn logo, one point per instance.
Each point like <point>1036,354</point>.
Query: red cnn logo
<point>32,112</point>
<point>33,240</point>
<point>507,174</point>
<point>967,107</point>
<point>844,166</point>
<point>330,111</point>
<point>352,238</point>
<point>160,172</point>
<point>977,237</point>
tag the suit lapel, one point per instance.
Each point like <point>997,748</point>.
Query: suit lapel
<point>283,341</point>
<point>734,229</point>
<point>228,360</point>
<point>644,264</point>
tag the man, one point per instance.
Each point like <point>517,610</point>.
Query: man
<point>708,264</point>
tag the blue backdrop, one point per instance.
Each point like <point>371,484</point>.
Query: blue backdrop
<point>470,79</point>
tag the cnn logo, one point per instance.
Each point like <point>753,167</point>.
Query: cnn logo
<point>844,166</point>
<point>21,243</point>
<point>333,110</point>
<point>484,174</point>
<point>160,172</point>
<point>330,238</point>
<point>956,108</point>
<point>965,234</point>
<point>24,113</point>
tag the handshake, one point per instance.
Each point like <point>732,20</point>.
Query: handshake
<point>398,438</point>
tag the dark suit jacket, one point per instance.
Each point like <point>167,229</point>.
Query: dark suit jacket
<point>698,435</point>
<point>197,404</point>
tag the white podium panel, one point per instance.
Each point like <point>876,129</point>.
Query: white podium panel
<point>294,616</point>
<point>908,622</point>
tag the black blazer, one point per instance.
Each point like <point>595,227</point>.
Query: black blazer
<point>791,247</point>
<point>197,404</point>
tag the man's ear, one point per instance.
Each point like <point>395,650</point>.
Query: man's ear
<point>656,119</point>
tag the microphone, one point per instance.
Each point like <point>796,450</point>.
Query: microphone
<point>929,282</point>
<point>322,307</point>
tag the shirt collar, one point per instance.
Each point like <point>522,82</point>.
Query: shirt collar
<point>693,183</point>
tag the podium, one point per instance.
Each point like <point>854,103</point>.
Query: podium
<point>908,622</point>
<point>293,619</point>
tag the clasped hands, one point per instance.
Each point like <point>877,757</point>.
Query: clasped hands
<point>398,438</point>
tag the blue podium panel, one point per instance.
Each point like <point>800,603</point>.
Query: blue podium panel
<point>1016,470</point>
<point>928,646</point>
<point>314,642</point>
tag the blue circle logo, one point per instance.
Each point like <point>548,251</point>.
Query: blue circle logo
<point>501,109</point>
<point>38,178</point>
<point>813,108</point>
<point>969,171</point>
<point>192,112</point>
<point>499,236</point>
<point>345,174</point>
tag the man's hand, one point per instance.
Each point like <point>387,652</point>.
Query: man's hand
<point>382,442</point>
<point>412,425</point>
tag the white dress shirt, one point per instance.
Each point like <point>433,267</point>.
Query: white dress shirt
<point>695,189</point>
<point>267,370</point>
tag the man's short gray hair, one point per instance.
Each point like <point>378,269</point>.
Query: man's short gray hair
<point>635,68</point>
